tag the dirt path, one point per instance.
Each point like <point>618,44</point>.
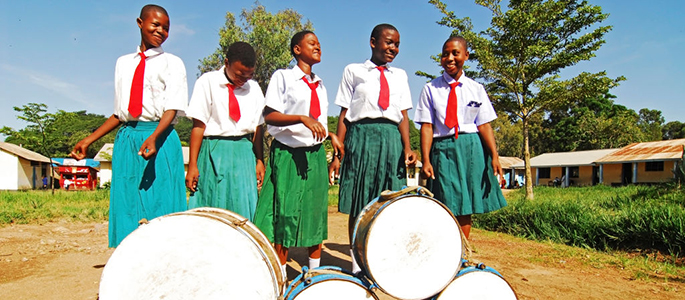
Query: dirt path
<point>65,260</point>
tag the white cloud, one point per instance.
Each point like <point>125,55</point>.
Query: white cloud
<point>54,84</point>
<point>181,29</point>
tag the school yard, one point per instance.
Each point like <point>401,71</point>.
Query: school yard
<point>64,260</point>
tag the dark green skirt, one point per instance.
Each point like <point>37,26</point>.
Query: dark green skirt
<point>373,162</point>
<point>464,179</point>
<point>228,177</point>
<point>292,209</point>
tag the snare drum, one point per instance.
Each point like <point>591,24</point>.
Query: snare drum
<point>478,282</point>
<point>328,283</point>
<point>204,253</point>
<point>410,246</point>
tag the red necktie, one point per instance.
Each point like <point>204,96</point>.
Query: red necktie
<point>451,120</point>
<point>314,107</point>
<point>384,96</point>
<point>135,102</point>
<point>233,107</point>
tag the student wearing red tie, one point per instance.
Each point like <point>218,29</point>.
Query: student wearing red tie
<point>373,124</point>
<point>292,209</point>
<point>225,166</point>
<point>458,147</point>
<point>147,161</point>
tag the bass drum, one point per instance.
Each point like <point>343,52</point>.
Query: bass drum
<point>331,283</point>
<point>409,245</point>
<point>204,253</point>
<point>476,283</point>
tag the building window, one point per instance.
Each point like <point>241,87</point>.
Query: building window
<point>654,166</point>
<point>543,172</point>
<point>574,171</point>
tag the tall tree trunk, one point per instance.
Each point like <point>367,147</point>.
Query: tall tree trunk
<point>526,160</point>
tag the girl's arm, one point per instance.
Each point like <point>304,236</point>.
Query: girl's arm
<point>488,138</point>
<point>149,147</point>
<point>409,155</point>
<point>258,148</point>
<point>334,168</point>
<point>80,149</point>
<point>273,117</point>
<point>426,143</point>
<point>196,135</point>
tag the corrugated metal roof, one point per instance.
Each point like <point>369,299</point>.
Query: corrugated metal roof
<point>567,159</point>
<point>508,161</point>
<point>23,152</point>
<point>647,151</point>
<point>107,151</point>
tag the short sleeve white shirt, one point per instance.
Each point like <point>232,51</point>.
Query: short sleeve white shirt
<point>209,104</point>
<point>289,94</point>
<point>360,87</point>
<point>165,85</point>
<point>473,105</point>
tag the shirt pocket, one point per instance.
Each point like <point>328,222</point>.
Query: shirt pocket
<point>471,112</point>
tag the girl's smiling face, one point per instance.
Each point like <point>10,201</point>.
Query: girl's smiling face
<point>454,54</point>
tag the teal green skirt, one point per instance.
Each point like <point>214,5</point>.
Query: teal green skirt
<point>464,178</point>
<point>228,177</point>
<point>373,162</point>
<point>144,189</point>
<point>292,209</point>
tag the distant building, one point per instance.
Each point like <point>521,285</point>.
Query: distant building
<point>77,174</point>
<point>22,169</point>
<point>104,156</point>
<point>514,172</point>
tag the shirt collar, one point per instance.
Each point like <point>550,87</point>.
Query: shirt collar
<point>449,79</point>
<point>151,52</point>
<point>298,73</point>
<point>369,64</point>
<point>223,81</point>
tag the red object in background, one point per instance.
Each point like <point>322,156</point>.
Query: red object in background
<point>78,177</point>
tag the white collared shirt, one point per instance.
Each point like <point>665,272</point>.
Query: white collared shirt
<point>209,104</point>
<point>165,85</point>
<point>289,94</point>
<point>360,87</point>
<point>473,105</point>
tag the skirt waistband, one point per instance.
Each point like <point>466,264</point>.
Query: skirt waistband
<point>375,121</point>
<point>228,138</point>
<point>442,138</point>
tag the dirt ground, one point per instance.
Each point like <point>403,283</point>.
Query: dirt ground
<point>65,260</point>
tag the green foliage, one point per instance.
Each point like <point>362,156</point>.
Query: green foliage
<point>679,171</point>
<point>673,130</point>
<point>24,207</point>
<point>183,128</point>
<point>268,33</point>
<point>54,135</point>
<point>650,123</point>
<point>600,217</point>
<point>520,55</point>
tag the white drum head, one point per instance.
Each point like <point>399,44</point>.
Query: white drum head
<point>478,285</point>
<point>334,289</point>
<point>188,256</point>
<point>413,248</point>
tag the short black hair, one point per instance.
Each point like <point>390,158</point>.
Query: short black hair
<point>457,38</point>
<point>242,52</point>
<point>152,7</point>
<point>376,32</point>
<point>297,38</point>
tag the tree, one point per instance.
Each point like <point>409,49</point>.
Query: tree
<point>651,122</point>
<point>673,130</point>
<point>268,33</point>
<point>519,57</point>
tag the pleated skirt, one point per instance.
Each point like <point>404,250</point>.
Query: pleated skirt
<point>292,209</point>
<point>227,167</point>
<point>464,178</point>
<point>373,162</point>
<point>144,189</point>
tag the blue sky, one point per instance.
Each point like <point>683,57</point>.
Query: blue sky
<point>62,53</point>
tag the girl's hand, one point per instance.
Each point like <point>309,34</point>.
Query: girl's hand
<point>260,173</point>
<point>338,147</point>
<point>333,170</point>
<point>409,157</point>
<point>149,148</point>
<point>497,167</point>
<point>317,129</point>
<point>427,171</point>
<point>192,177</point>
<point>80,150</point>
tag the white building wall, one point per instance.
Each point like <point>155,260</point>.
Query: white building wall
<point>9,163</point>
<point>25,175</point>
<point>105,173</point>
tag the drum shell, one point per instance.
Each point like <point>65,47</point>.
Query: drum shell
<point>364,226</point>
<point>188,256</point>
<point>326,274</point>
